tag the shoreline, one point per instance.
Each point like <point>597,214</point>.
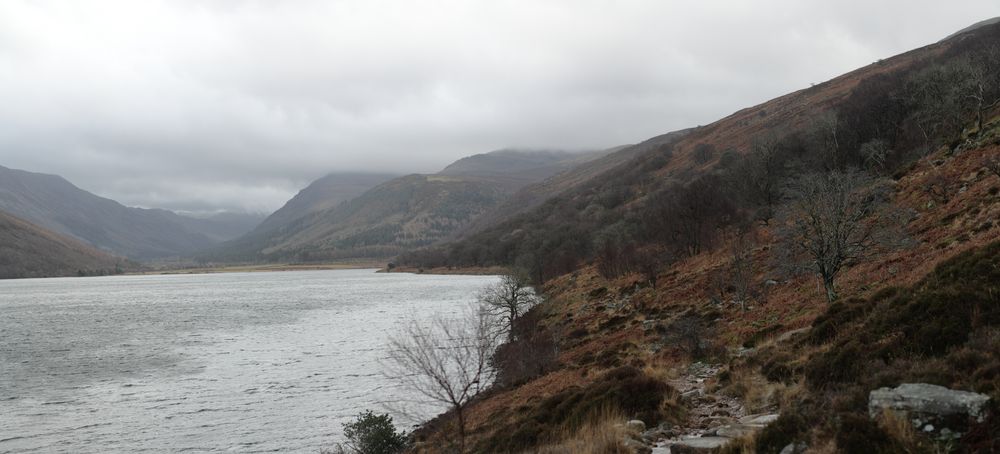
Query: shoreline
<point>467,271</point>
<point>267,268</point>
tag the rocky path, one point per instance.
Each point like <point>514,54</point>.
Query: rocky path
<point>713,419</point>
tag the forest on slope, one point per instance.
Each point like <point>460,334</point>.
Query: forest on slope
<point>27,250</point>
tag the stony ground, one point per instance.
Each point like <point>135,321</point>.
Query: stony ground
<point>713,419</point>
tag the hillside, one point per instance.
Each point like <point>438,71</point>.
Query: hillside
<point>514,169</point>
<point>533,195</point>
<point>56,204</point>
<point>322,194</point>
<point>677,291</point>
<point>397,216</point>
<point>566,231</point>
<point>27,250</point>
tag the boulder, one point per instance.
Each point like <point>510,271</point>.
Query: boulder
<point>736,430</point>
<point>933,402</point>
<point>635,426</point>
<point>699,445</point>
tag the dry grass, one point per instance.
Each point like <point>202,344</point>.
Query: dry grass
<point>899,428</point>
<point>606,435</point>
<point>753,389</point>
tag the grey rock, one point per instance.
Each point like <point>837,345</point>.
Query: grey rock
<point>794,448</point>
<point>635,426</point>
<point>759,420</point>
<point>736,430</point>
<point>699,445</point>
<point>927,399</point>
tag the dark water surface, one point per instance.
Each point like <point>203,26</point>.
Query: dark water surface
<point>242,362</point>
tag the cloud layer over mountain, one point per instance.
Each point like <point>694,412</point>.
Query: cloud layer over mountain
<point>237,104</point>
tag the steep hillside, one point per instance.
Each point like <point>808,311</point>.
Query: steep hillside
<point>835,124</point>
<point>678,290</point>
<point>322,194</point>
<point>401,214</point>
<point>533,195</point>
<point>56,204</point>
<point>27,250</point>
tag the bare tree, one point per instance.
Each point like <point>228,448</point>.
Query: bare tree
<point>837,219</point>
<point>446,361</point>
<point>824,135</point>
<point>507,299</point>
<point>742,272</point>
<point>982,86</point>
<point>689,333</point>
<point>760,173</point>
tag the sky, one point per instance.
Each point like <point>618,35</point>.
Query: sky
<point>235,105</point>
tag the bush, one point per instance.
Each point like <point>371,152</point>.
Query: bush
<point>372,434</point>
<point>532,353</point>
<point>857,433</point>
<point>788,428</point>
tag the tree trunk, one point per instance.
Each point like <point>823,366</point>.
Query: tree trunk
<point>831,293</point>
<point>461,429</point>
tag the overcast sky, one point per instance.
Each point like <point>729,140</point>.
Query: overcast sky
<point>231,104</point>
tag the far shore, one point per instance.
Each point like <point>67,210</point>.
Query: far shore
<point>266,268</point>
<point>471,270</point>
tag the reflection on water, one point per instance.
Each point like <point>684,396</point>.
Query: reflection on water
<point>244,362</point>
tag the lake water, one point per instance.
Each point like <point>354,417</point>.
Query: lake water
<point>243,362</point>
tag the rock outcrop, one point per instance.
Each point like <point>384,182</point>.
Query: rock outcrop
<point>934,410</point>
<point>926,399</point>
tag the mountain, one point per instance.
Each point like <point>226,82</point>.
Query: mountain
<point>219,227</point>
<point>27,250</point>
<point>974,27</point>
<point>533,195</point>
<point>680,289</point>
<point>565,231</point>
<point>322,194</point>
<point>56,204</point>
<point>514,169</point>
<point>398,215</point>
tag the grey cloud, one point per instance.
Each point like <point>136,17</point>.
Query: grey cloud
<point>238,104</point>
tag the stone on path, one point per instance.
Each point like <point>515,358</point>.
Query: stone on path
<point>698,445</point>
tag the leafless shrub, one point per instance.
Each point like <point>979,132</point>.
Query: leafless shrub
<point>447,362</point>
<point>507,300</point>
<point>836,219</point>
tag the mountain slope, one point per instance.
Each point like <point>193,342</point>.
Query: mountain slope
<point>401,214</point>
<point>715,324</point>
<point>860,107</point>
<point>218,227</point>
<point>27,250</point>
<point>54,203</point>
<point>322,194</point>
<point>533,195</point>
<point>516,168</point>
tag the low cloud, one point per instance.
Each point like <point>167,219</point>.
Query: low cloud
<point>238,104</point>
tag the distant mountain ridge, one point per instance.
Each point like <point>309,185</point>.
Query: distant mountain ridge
<point>27,250</point>
<point>400,214</point>
<point>322,194</point>
<point>56,204</point>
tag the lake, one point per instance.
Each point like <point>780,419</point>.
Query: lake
<point>241,362</point>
